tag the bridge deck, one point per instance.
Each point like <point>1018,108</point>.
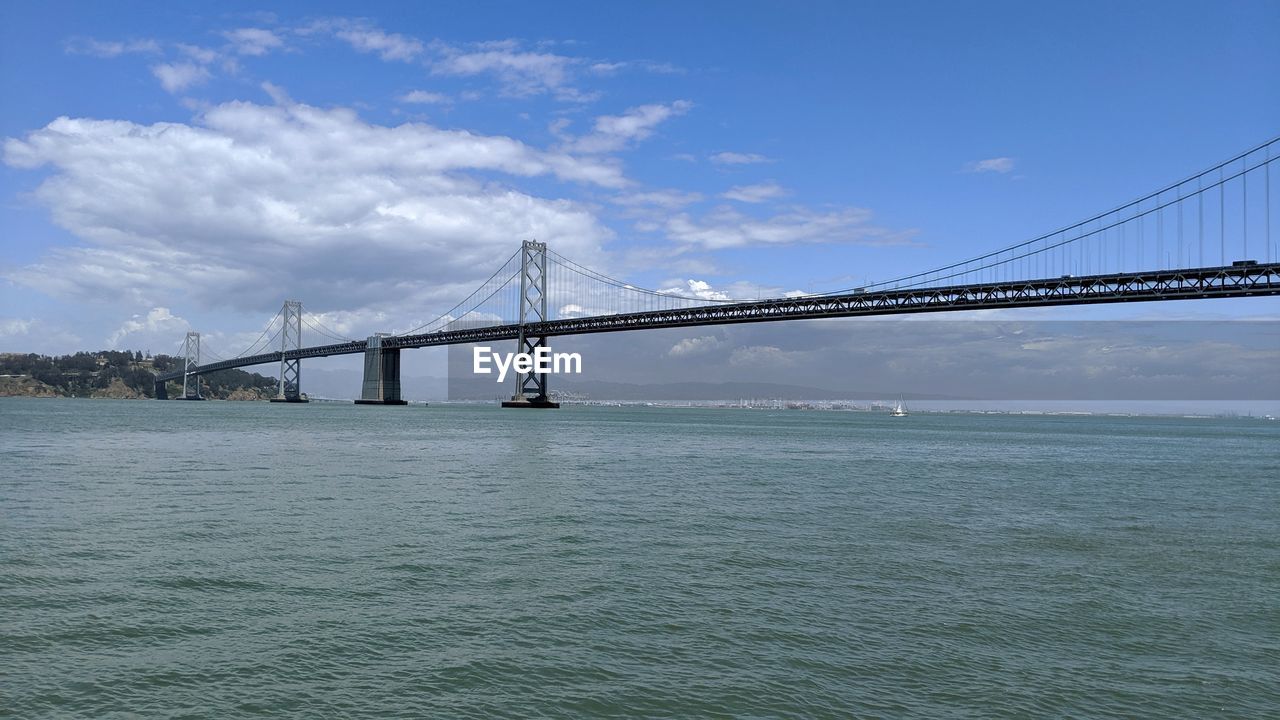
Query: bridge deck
<point>1189,284</point>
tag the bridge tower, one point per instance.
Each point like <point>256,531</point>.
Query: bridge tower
<point>531,387</point>
<point>190,361</point>
<point>290,368</point>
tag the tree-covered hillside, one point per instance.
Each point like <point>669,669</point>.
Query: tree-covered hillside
<point>118,374</point>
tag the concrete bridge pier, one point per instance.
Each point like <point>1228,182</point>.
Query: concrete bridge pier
<point>161,390</point>
<point>381,374</point>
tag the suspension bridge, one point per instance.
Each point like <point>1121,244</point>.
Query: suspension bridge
<point>1207,236</point>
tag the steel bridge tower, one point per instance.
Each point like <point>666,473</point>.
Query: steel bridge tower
<point>531,387</point>
<point>190,361</point>
<point>290,367</point>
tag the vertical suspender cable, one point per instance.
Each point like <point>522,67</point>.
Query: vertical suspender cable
<point>1141,238</point>
<point>1159,235</point>
<point>1180,225</point>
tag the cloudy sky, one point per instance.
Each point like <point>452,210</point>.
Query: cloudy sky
<point>169,166</point>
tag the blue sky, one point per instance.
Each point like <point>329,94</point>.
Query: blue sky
<point>173,165</point>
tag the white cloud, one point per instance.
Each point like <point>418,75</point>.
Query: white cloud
<point>997,165</point>
<point>423,97</point>
<point>523,69</point>
<point>253,41</point>
<point>690,347</point>
<point>737,291</point>
<point>176,77</point>
<point>159,323</point>
<point>342,324</point>
<point>755,193</point>
<point>519,72</point>
<point>612,68</point>
<point>699,289</point>
<point>666,258</point>
<point>606,68</point>
<point>11,327</point>
<point>32,335</point>
<point>615,132</point>
<point>661,68</point>
<point>201,55</point>
<point>733,158</point>
<point>726,228</point>
<point>255,202</point>
<point>766,356</point>
<point>110,49</point>
<point>278,95</point>
<point>660,198</point>
<point>388,46</point>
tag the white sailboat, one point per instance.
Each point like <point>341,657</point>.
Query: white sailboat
<point>899,410</point>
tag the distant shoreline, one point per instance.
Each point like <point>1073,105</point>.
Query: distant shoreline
<point>1264,411</point>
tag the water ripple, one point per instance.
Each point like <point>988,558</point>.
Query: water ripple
<point>169,559</point>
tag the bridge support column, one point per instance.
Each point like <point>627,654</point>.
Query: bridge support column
<point>381,374</point>
<point>290,390</point>
<point>531,387</point>
<point>161,390</point>
<point>191,361</point>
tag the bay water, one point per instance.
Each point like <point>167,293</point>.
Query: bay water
<point>227,560</point>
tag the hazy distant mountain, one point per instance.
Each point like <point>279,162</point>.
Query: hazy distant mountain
<point>346,384</point>
<point>729,391</point>
<point>339,384</point>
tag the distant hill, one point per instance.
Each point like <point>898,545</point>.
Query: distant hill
<point>485,389</point>
<point>346,384</point>
<point>121,374</point>
<point>724,391</point>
